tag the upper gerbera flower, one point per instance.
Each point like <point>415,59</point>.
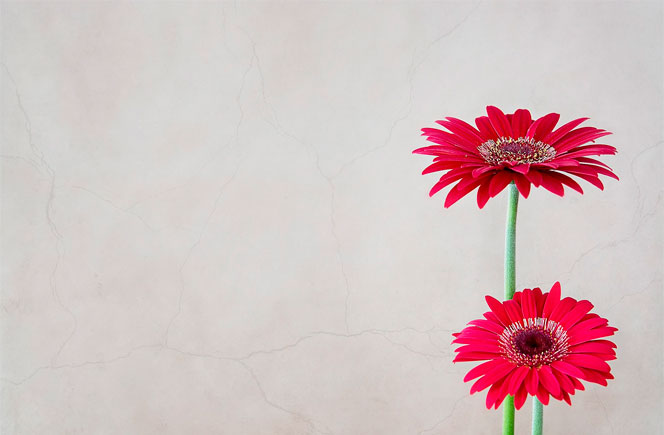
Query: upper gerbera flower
<point>505,148</point>
<point>536,344</point>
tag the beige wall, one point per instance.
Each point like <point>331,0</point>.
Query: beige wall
<point>212,222</point>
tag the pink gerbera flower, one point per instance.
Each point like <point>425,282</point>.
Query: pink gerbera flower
<point>538,345</point>
<point>505,148</point>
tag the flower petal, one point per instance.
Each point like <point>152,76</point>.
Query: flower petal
<point>552,184</point>
<point>520,122</point>
<point>588,361</point>
<point>449,178</point>
<point>486,129</point>
<point>495,394</point>
<point>462,128</point>
<point>483,195</point>
<point>528,307</point>
<point>493,376</point>
<point>483,369</point>
<point>522,184</point>
<point>575,314</point>
<point>554,136</point>
<point>552,300</point>
<point>532,382</point>
<point>457,192</point>
<point>542,394</point>
<point>548,379</point>
<point>499,182</point>
<point>545,125</point>
<point>567,181</point>
<point>567,368</point>
<point>498,309</point>
<point>515,382</point>
<point>499,121</point>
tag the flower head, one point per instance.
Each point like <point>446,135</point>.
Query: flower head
<point>536,344</point>
<point>505,148</point>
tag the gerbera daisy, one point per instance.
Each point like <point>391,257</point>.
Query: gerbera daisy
<point>538,345</point>
<point>505,148</point>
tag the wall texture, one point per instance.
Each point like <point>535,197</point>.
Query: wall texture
<point>212,222</point>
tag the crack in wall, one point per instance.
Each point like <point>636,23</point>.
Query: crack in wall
<point>448,416</point>
<point>127,210</point>
<point>48,212</point>
<point>410,78</point>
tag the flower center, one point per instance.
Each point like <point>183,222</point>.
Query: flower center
<point>515,151</point>
<point>534,342</point>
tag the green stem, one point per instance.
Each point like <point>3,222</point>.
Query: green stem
<point>510,286</point>
<point>538,411</point>
<point>510,242</point>
<point>508,416</point>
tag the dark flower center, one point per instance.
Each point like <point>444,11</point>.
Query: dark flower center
<point>515,151</point>
<point>532,342</point>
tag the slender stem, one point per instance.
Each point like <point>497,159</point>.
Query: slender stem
<point>510,242</point>
<point>508,416</point>
<point>510,286</point>
<point>538,411</point>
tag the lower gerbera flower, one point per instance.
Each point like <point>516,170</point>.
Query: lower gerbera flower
<point>536,344</point>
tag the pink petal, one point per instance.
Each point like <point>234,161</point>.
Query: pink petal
<point>565,384</point>
<point>516,379</point>
<point>462,128</point>
<point>486,129</point>
<point>498,309</point>
<point>549,381</point>
<point>567,181</point>
<point>552,300</point>
<point>552,184</point>
<point>456,193</point>
<point>523,168</point>
<point>528,307</point>
<point>499,121</point>
<point>499,182</point>
<point>567,368</point>
<point>592,334</point>
<point>449,178</point>
<point>482,369</point>
<point>562,308</point>
<point>513,310</point>
<point>491,377</point>
<point>562,131</point>
<point>592,347</point>
<point>578,137</point>
<point>594,162</point>
<point>488,326</point>
<point>440,166</point>
<point>483,170</point>
<point>483,195</point>
<point>520,122</point>
<point>542,394</point>
<point>495,394</point>
<point>592,179</point>
<point>532,382</point>
<point>573,316</point>
<point>595,377</point>
<point>588,361</point>
<point>522,184</point>
<point>546,125</point>
<point>535,177</point>
<point>520,398</point>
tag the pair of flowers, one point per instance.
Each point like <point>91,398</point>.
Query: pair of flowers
<point>536,343</point>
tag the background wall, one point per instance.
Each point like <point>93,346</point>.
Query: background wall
<point>212,222</point>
